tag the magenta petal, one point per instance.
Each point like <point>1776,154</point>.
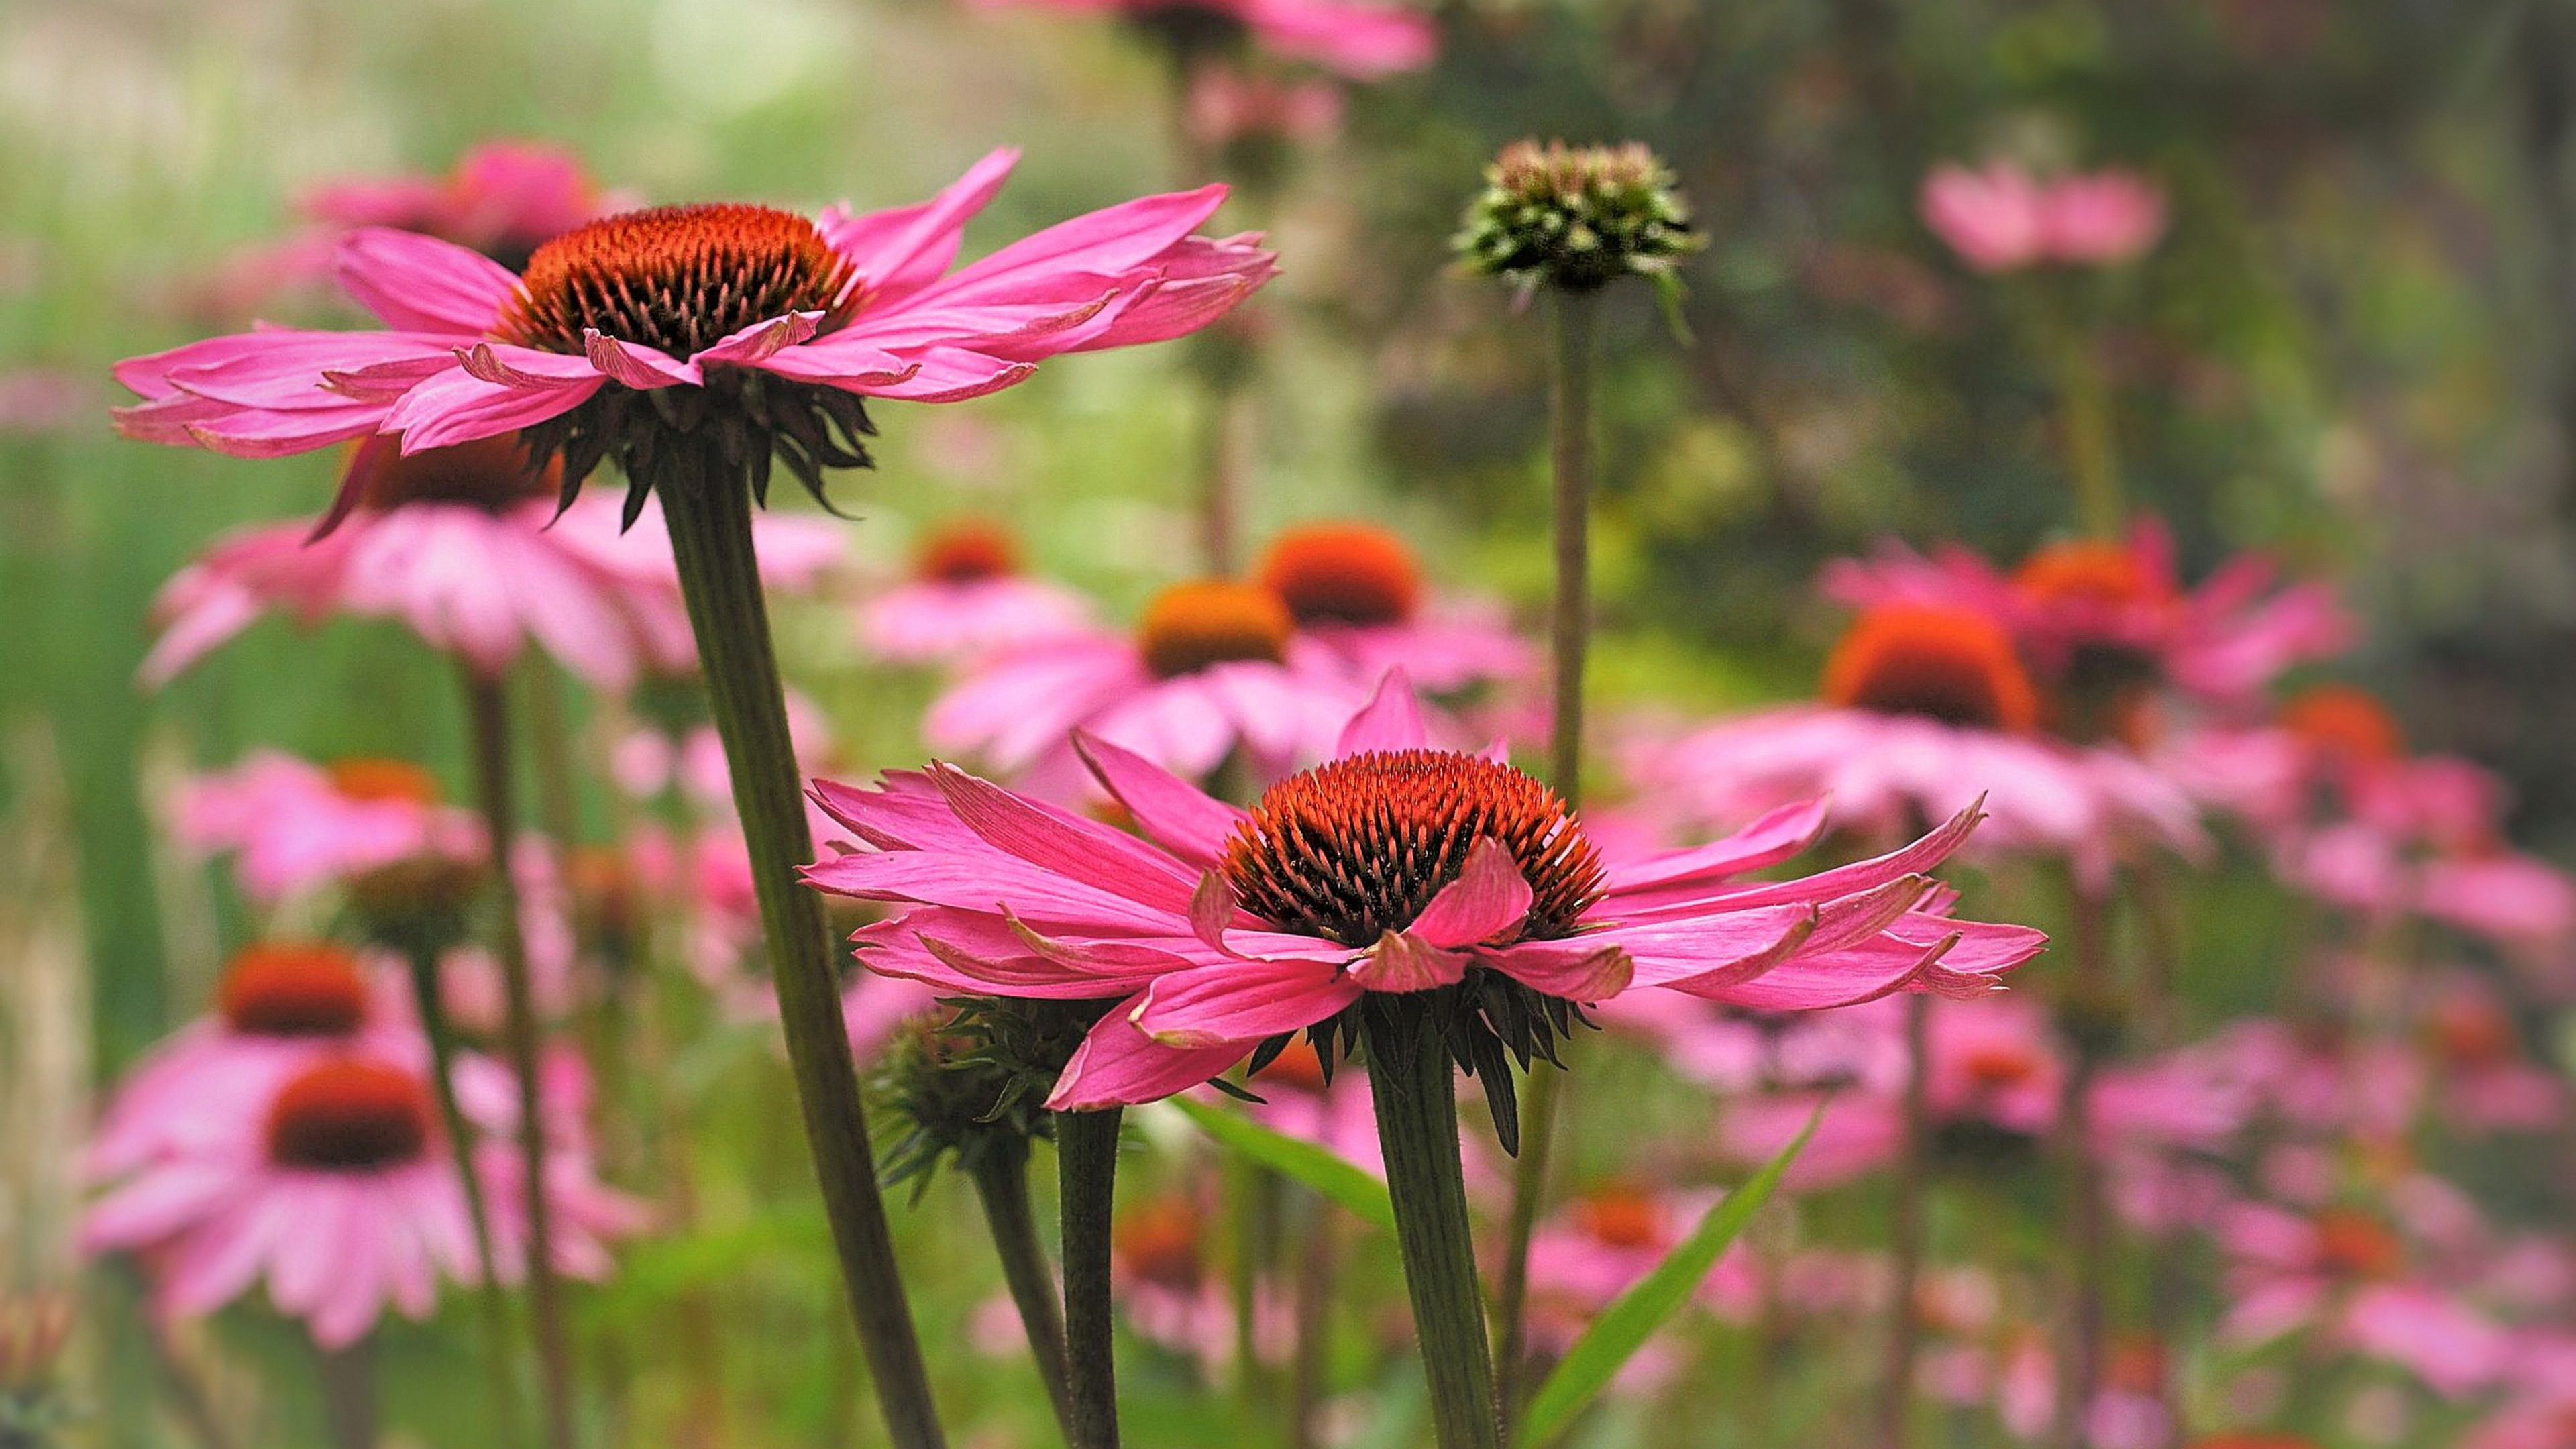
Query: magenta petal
<point>1488,897</point>
<point>1391,720</point>
<point>761,340</point>
<point>900,251</point>
<point>1922,855</point>
<point>1067,844</point>
<point>631,365</point>
<point>1854,917</point>
<point>1213,907</point>
<point>455,407</point>
<point>1402,961</point>
<point>1171,811</point>
<point>1109,242</point>
<point>525,368</point>
<point>416,283</point>
<point>1777,836</point>
<point>1119,1066</point>
<point>1575,975</point>
<point>1240,1001</point>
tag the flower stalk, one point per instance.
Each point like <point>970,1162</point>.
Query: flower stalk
<point>1002,1185</point>
<point>1417,1123</point>
<point>1574,349</point>
<point>1905,1233</point>
<point>488,719</point>
<point>1086,1154</point>
<point>707,505</point>
<point>499,1368</point>
<point>348,1376</point>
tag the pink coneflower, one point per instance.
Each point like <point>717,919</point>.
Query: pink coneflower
<point>1361,40</point>
<point>1394,869</point>
<point>1610,1235</point>
<point>2103,618</point>
<point>501,198</point>
<point>464,546</point>
<point>2484,1078</point>
<point>819,312</point>
<point>1209,672</point>
<point>293,826</point>
<point>1232,107</point>
<point>280,1006</point>
<point>1925,708</point>
<point>1355,591</point>
<point>1171,1294</point>
<point>967,598</point>
<point>2002,218</point>
<point>333,1187</point>
<point>2350,1272</point>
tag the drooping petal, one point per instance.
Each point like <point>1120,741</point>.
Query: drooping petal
<point>1242,1001</point>
<point>1119,1066</point>
<point>454,407</point>
<point>1173,813</point>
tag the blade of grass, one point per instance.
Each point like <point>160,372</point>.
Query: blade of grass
<point>1337,1179</point>
<point>1621,1329</point>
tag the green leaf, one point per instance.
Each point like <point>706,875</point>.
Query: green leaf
<point>1621,1329</point>
<point>1337,1178</point>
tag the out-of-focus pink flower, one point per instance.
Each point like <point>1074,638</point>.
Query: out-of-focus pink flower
<point>293,826</point>
<point>1927,709</point>
<point>1231,106</point>
<point>1339,1116</point>
<point>1008,896</point>
<point>280,1006</point>
<point>43,400</point>
<point>1172,1297</point>
<point>2348,1272</point>
<point>334,1188</point>
<point>1355,591</point>
<point>967,598</point>
<point>2483,1078</point>
<point>2002,218</point>
<point>1211,671</point>
<point>1359,39</point>
<point>2099,605</point>
<point>474,350</point>
<point>471,985</point>
<point>502,198</point>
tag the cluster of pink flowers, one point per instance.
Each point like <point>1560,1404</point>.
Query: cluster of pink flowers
<point>2001,218</point>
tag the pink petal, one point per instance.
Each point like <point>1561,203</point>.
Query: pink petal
<point>1117,1065</point>
<point>1391,720</point>
<point>1172,812</point>
<point>639,367</point>
<point>1575,975</point>
<point>454,407</point>
<point>901,251</point>
<point>421,284</point>
<point>1488,897</point>
<point>1401,961</point>
<point>1241,1001</point>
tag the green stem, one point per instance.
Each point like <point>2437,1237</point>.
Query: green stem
<point>709,515</point>
<point>2092,453</point>
<point>349,1392</point>
<point>498,1366</point>
<point>1002,1183</point>
<point>1574,336</point>
<point>1314,1308</point>
<point>1258,1200</point>
<point>550,749</point>
<point>2088,1231</point>
<point>488,716</point>
<point>1904,1330</point>
<point>1417,1126</point>
<point>1574,348</point>
<point>1086,1158</point>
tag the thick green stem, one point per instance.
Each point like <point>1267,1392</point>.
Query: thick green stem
<point>1259,1197</point>
<point>1574,347</point>
<point>1417,1127</point>
<point>1086,1158</point>
<point>348,1377</point>
<point>499,1367</point>
<point>709,515</point>
<point>1002,1184</point>
<point>488,718</point>
<point>1913,1174</point>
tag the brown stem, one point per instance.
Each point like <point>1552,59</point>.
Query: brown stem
<point>348,1378</point>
